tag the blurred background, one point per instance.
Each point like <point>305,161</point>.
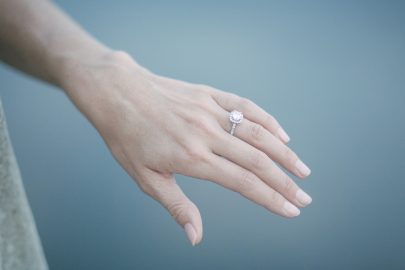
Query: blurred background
<point>332,72</point>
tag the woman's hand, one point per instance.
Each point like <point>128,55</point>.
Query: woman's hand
<point>156,127</point>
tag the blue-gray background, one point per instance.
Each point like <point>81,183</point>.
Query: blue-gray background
<point>333,73</point>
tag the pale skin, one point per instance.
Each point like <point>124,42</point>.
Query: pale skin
<point>154,126</point>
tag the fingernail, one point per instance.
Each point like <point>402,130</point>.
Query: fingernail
<point>303,198</point>
<point>291,209</point>
<point>302,168</point>
<point>283,135</point>
<point>191,233</point>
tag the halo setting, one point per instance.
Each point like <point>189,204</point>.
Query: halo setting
<point>235,117</point>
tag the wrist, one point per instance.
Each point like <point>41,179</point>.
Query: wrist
<point>77,68</point>
<point>66,67</point>
<point>91,80</point>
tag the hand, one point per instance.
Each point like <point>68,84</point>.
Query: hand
<point>156,127</point>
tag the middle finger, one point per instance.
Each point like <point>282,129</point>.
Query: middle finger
<point>257,136</point>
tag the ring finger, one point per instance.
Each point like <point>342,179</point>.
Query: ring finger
<point>259,137</point>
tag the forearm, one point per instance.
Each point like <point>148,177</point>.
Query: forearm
<point>37,38</point>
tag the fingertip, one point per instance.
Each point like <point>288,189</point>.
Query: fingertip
<point>283,135</point>
<point>190,233</point>
<point>291,210</point>
<point>303,170</point>
<point>199,238</point>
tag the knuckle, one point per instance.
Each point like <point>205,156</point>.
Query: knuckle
<point>289,156</point>
<point>232,97</point>
<point>247,181</point>
<point>270,121</point>
<point>245,103</point>
<point>258,160</point>
<point>289,185</point>
<point>200,95</point>
<point>204,88</point>
<point>206,102</point>
<point>200,91</point>
<point>195,154</point>
<point>227,99</point>
<point>257,132</point>
<point>203,125</point>
<point>276,198</point>
<point>207,127</point>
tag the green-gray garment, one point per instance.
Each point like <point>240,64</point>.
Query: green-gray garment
<point>20,246</point>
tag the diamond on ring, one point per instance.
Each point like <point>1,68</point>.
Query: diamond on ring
<point>235,117</point>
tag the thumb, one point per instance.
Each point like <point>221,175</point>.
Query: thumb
<point>164,189</point>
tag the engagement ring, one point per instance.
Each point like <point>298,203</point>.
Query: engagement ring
<point>235,117</point>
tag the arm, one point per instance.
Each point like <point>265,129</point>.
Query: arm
<point>154,126</point>
<point>37,38</point>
